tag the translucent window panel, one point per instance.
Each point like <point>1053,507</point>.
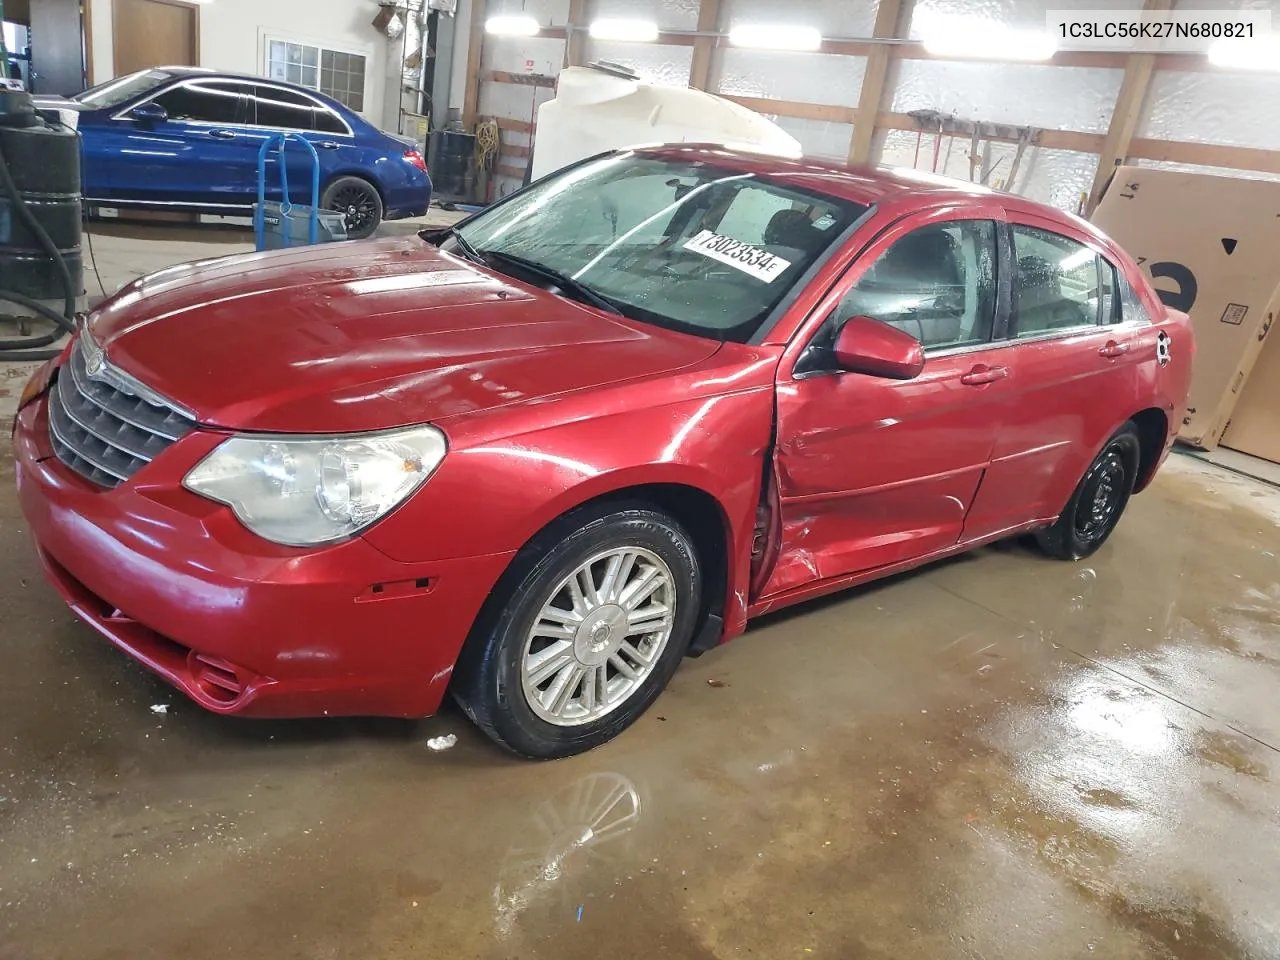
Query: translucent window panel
<point>819,138</point>
<point>1061,98</point>
<point>667,14</point>
<point>1055,177</point>
<point>513,54</point>
<point>786,75</point>
<point>835,18</point>
<point>1241,109</point>
<point>654,62</point>
<point>1020,14</point>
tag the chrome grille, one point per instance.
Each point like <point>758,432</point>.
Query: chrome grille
<point>102,429</point>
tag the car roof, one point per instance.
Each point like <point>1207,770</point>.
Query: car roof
<point>863,183</point>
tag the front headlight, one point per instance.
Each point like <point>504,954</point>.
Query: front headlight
<point>301,490</point>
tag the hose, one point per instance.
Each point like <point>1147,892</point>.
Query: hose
<point>64,322</point>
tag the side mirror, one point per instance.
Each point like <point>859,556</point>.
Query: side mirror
<point>876,349</point>
<point>149,113</point>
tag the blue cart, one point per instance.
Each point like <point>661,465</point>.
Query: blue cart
<point>279,224</point>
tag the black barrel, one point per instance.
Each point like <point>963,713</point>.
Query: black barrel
<point>44,162</point>
<point>452,152</point>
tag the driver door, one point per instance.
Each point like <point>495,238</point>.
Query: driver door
<point>871,471</point>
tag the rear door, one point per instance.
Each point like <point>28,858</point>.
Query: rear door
<point>1074,373</point>
<point>281,110</point>
<point>871,471</point>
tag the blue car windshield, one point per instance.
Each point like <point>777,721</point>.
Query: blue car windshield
<point>117,91</point>
<point>679,243</point>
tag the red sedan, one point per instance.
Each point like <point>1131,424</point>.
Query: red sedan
<point>538,458</point>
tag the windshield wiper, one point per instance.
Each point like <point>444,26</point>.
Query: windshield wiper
<point>564,282</point>
<point>440,233</point>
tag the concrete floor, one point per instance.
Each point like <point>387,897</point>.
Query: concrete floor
<point>1000,756</point>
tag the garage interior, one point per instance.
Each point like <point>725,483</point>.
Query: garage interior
<point>992,756</point>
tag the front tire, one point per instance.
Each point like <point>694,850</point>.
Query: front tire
<point>358,201</point>
<point>1098,501</point>
<point>583,633</point>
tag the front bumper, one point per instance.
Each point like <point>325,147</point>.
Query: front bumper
<point>241,625</point>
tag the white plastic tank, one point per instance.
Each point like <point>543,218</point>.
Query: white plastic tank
<point>601,107</point>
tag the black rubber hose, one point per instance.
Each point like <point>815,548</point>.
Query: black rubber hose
<point>63,323</point>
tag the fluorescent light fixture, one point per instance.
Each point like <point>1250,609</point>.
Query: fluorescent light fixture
<point>981,39</point>
<point>635,31</point>
<point>512,26</point>
<point>767,36</point>
<point>1260,53</point>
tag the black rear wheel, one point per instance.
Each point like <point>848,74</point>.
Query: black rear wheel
<point>358,202</point>
<point>1101,496</point>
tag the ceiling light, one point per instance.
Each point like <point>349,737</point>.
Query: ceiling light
<point>968,37</point>
<point>514,26</point>
<point>1260,53</point>
<point>776,37</point>
<point>636,31</point>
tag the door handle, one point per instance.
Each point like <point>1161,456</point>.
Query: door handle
<point>222,134</point>
<point>328,145</point>
<point>1111,349</point>
<point>983,374</point>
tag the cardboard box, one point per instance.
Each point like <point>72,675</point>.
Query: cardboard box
<point>1254,426</point>
<point>1211,246</point>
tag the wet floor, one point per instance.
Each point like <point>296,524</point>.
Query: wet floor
<point>1001,756</point>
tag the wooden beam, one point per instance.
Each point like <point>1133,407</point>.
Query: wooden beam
<point>792,108</point>
<point>1206,154</point>
<point>475,51</point>
<point>703,47</point>
<point>1124,116</point>
<point>889,15</point>
<point>577,38</point>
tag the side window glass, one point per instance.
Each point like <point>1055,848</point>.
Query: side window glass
<point>283,109</point>
<point>205,102</point>
<point>1057,283</point>
<point>1131,303</point>
<point>327,121</point>
<point>937,283</point>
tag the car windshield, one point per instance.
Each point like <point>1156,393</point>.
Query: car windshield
<point>117,91</point>
<point>680,243</point>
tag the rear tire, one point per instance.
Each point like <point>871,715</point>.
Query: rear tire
<point>583,633</point>
<point>1098,501</point>
<point>358,201</point>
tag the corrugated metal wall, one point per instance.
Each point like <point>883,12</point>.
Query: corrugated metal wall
<point>1224,108</point>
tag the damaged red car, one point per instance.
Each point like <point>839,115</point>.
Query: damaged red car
<point>536,459</point>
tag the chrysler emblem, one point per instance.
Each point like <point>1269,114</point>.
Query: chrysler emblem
<point>95,358</point>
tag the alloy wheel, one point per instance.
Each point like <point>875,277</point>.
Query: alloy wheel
<point>598,636</point>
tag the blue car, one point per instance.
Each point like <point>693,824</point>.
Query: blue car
<point>183,138</point>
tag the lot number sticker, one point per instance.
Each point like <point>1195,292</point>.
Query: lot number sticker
<point>749,259</point>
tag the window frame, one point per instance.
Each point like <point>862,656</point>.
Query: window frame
<point>248,82</point>
<point>321,47</point>
<point>864,256</point>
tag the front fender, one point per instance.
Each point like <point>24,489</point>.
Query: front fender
<point>494,496</point>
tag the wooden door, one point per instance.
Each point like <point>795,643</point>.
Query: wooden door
<point>57,66</point>
<point>154,33</point>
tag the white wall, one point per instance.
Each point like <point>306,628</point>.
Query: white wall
<point>232,37</point>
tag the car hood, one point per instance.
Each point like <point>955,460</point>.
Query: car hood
<point>361,336</point>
